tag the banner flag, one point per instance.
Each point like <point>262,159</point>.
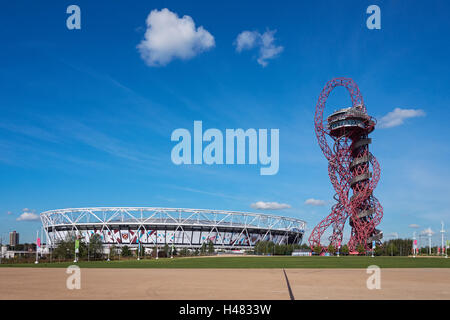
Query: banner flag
<point>77,245</point>
<point>38,242</point>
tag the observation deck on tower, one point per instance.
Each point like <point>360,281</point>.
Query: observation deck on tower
<point>352,120</point>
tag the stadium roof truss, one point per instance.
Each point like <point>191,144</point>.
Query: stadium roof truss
<point>107,218</point>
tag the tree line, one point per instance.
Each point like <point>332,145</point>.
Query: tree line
<point>268,247</point>
<point>394,247</point>
<point>93,250</point>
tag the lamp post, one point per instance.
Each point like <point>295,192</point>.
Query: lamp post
<point>139,251</point>
<point>1,248</point>
<point>37,257</point>
<point>373,247</point>
<point>442,237</point>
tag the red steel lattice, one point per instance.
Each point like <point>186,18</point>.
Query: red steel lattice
<point>354,172</point>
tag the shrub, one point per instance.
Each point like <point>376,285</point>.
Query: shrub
<point>126,252</point>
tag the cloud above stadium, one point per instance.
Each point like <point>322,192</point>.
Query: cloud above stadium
<point>315,202</point>
<point>261,205</point>
<point>169,37</point>
<point>413,225</point>
<point>397,117</point>
<point>248,40</point>
<point>28,215</point>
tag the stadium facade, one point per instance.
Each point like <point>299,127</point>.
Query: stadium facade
<point>173,226</point>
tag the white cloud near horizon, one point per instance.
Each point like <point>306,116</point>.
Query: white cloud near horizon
<point>413,225</point>
<point>397,117</point>
<point>427,231</point>
<point>261,205</point>
<point>169,37</point>
<point>28,215</point>
<point>315,202</point>
<point>248,40</point>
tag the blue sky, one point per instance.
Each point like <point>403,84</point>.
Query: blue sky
<point>85,121</point>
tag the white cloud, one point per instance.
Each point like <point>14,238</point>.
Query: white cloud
<point>315,202</point>
<point>427,231</point>
<point>261,205</point>
<point>169,37</point>
<point>413,225</point>
<point>248,40</point>
<point>28,216</point>
<point>9,213</point>
<point>397,117</point>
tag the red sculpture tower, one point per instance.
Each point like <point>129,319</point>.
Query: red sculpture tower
<point>353,170</point>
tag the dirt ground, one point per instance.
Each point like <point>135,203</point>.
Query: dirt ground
<point>208,284</point>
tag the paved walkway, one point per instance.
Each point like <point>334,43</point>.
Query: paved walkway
<point>204,284</point>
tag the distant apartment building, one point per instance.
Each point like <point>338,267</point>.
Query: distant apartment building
<point>13,239</point>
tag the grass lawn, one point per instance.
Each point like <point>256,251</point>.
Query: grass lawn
<point>255,262</point>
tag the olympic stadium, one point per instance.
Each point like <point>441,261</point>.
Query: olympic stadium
<point>173,226</point>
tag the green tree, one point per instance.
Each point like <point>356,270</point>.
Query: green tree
<point>166,250</point>
<point>360,248</point>
<point>331,249</point>
<point>203,248</point>
<point>141,251</point>
<point>391,249</point>
<point>259,247</point>
<point>126,252</point>
<point>270,247</point>
<point>112,252</point>
<point>379,250</point>
<point>317,250</point>
<point>304,246</point>
<point>278,250</point>
<point>65,249</point>
<point>95,246</point>
<point>154,252</point>
<point>345,250</point>
<point>210,247</point>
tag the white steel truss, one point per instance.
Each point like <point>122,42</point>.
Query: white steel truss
<point>187,223</point>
